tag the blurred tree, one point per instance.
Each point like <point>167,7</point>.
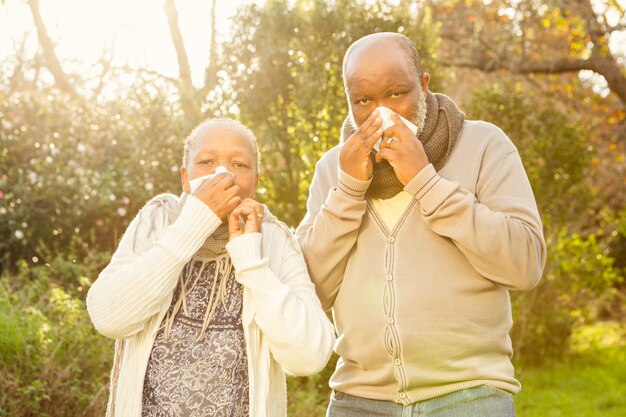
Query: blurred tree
<point>184,70</point>
<point>532,36</point>
<point>544,46</point>
<point>80,170</point>
<point>579,278</point>
<point>191,97</point>
<point>47,46</point>
<point>283,65</point>
<point>554,149</point>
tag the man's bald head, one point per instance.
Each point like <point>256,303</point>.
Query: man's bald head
<point>384,40</point>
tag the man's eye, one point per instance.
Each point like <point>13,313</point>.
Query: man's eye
<point>206,162</point>
<point>240,165</point>
<point>363,101</point>
<point>396,95</point>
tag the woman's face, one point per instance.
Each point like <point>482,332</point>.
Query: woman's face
<point>229,147</point>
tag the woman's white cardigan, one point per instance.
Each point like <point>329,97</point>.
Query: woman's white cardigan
<point>283,321</point>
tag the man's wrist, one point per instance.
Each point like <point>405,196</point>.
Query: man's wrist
<point>352,186</point>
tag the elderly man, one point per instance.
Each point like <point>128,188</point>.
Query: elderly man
<point>416,246</point>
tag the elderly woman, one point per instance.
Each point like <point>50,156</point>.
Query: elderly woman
<point>208,295</point>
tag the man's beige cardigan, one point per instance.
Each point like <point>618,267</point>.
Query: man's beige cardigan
<point>422,309</point>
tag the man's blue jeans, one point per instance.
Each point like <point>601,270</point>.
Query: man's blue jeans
<point>482,401</point>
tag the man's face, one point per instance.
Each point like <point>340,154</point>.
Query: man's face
<point>226,146</point>
<point>381,75</point>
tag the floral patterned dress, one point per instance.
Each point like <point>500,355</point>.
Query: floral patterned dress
<point>194,373</point>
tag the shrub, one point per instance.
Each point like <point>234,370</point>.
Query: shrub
<point>576,282</point>
<point>52,361</point>
<point>79,169</point>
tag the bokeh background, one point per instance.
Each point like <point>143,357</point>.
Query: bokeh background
<point>96,98</point>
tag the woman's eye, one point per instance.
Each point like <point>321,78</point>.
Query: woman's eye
<point>363,101</point>
<point>207,162</point>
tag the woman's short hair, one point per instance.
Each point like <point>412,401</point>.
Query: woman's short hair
<point>216,122</point>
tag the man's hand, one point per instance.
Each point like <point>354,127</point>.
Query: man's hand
<point>245,218</point>
<point>220,193</point>
<point>354,157</point>
<point>404,152</point>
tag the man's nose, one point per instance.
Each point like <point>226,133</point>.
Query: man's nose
<point>380,103</point>
<point>385,103</point>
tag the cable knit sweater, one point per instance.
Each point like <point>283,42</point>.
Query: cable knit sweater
<point>284,325</point>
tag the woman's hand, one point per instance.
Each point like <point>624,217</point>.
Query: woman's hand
<point>220,194</point>
<point>245,218</point>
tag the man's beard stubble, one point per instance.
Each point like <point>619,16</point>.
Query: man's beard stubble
<point>419,118</point>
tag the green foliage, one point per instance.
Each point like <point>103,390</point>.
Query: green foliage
<point>52,361</point>
<point>309,396</point>
<point>579,277</point>
<point>589,384</point>
<point>75,169</point>
<point>576,285</point>
<point>553,147</point>
<point>284,65</point>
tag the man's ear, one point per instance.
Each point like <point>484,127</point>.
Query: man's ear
<point>184,180</point>
<point>424,81</point>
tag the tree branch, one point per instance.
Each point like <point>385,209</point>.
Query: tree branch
<point>610,29</point>
<point>488,64</point>
<point>105,61</point>
<point>50,57</point>
<point>210,74</point>
<point>184,70</point>
<point>474,52</point>
<point>605,66</point>
<point>124,69</point>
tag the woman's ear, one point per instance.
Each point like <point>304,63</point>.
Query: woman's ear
<point>184,180</point>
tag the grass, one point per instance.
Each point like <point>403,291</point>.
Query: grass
<point>590,383</point>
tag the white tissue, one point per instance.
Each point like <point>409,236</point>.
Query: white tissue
<point>196,182</point>
<point>385,114</point>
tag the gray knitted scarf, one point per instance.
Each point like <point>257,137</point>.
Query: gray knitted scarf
<point>442,126</point>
